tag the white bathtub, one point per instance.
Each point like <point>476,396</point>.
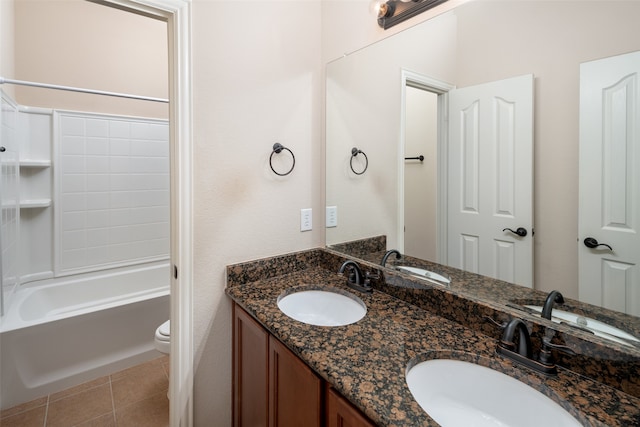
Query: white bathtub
<point>61,332</point>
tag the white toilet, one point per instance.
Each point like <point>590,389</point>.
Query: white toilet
<point>163,337</point>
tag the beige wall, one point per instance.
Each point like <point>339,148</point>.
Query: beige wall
<point>257,78</point>
<point>421,178</point>
<point>82,44</point>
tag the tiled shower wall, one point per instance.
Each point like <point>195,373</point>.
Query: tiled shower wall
<point>111,191</point>
<point>9,185</point>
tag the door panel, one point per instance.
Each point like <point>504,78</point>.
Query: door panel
<point>505,255</point>
<point>470,253</point>
<point>470,140</point>
<point>610,182</point>
<point>294,389</point>
<point>490,178</point>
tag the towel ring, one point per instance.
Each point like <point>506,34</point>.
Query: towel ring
<point>354,153</point>
<point>277,149</point>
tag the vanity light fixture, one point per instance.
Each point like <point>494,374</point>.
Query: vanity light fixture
<point>394,12</point>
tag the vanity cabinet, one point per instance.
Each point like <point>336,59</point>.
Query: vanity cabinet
<point>250,371</point>
<point>341,413</point>
<point>295,391</point>
<point>272,387</point>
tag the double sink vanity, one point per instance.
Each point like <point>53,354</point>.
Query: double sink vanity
<point>309,349</point>
<point>352,335</point>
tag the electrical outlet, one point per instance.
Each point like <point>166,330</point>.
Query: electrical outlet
<point>332,216</point>
<point>306,220</point>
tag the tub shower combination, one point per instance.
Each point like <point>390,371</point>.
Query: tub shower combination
<point>85,246</point>
<point>65,332</point>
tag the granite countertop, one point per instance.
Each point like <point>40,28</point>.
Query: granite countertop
<point>366,361</point>
<point>492,291</point>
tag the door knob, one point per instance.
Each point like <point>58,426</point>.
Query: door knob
<point>592,243</point>
<point>2,149</point>
<point>520,231</point>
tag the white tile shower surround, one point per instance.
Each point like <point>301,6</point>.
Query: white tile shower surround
<point>9,220</point>
<point>112,187</point>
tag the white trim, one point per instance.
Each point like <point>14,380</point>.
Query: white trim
<point>177,13</point>
<point>410,78</point>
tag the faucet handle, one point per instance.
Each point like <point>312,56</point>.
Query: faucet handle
<point>351,275</point>
<point>546,344</point>
<point>368,275</point>
<point>495,322</point>
<point>545,356</point>
<point>549,333</point>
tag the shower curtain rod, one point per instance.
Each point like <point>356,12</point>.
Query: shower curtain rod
<point>78,89</point>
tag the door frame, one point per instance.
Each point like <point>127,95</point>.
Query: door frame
<point>441,88</point>
<point>177,15</point>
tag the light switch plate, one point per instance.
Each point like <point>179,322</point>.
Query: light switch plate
<point>306,220</point>
<point>332,216</point>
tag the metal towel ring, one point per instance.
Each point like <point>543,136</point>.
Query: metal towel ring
<point>354,153</point>
<point>277,149</point>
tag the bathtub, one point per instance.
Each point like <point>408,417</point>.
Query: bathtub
<point>62,332</point>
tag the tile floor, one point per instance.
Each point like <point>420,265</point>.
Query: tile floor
<point>135,397</point>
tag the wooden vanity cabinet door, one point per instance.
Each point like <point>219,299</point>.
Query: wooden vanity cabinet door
<point>250,371</point>
<point>341,413</point>
<point>295,391</point>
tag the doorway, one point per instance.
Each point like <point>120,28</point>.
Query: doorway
<point>421,173</point>
<point>484,201</point>
<point>177,13</point>
<point>422,183</point>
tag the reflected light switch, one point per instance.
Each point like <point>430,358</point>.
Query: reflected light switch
<point>332,216</point>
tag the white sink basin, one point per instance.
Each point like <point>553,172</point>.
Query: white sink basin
<point>322,307</point>
<point>600,329</point>
<point>424,274</point>
<point>457,393</point>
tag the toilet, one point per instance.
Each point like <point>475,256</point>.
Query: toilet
<point>163,337</point>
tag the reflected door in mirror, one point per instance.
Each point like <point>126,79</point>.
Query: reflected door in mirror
<point>610,183</point>
<point>490,173</point>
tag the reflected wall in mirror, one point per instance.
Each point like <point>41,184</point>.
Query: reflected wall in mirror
<point>478,42</point>
<point>420,177</point>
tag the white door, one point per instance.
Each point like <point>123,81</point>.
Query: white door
<point>610,183</point>
<point>490,174</point>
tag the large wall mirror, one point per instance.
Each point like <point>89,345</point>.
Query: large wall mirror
<point>482,42</point>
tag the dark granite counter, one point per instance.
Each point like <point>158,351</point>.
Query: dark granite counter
<point>471,297</point>
<point>493,291</point>
<point>366,361</point>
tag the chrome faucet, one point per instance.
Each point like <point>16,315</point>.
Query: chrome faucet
<point>356,279</point>
<point>554,296</point>
<point>388,254</point>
